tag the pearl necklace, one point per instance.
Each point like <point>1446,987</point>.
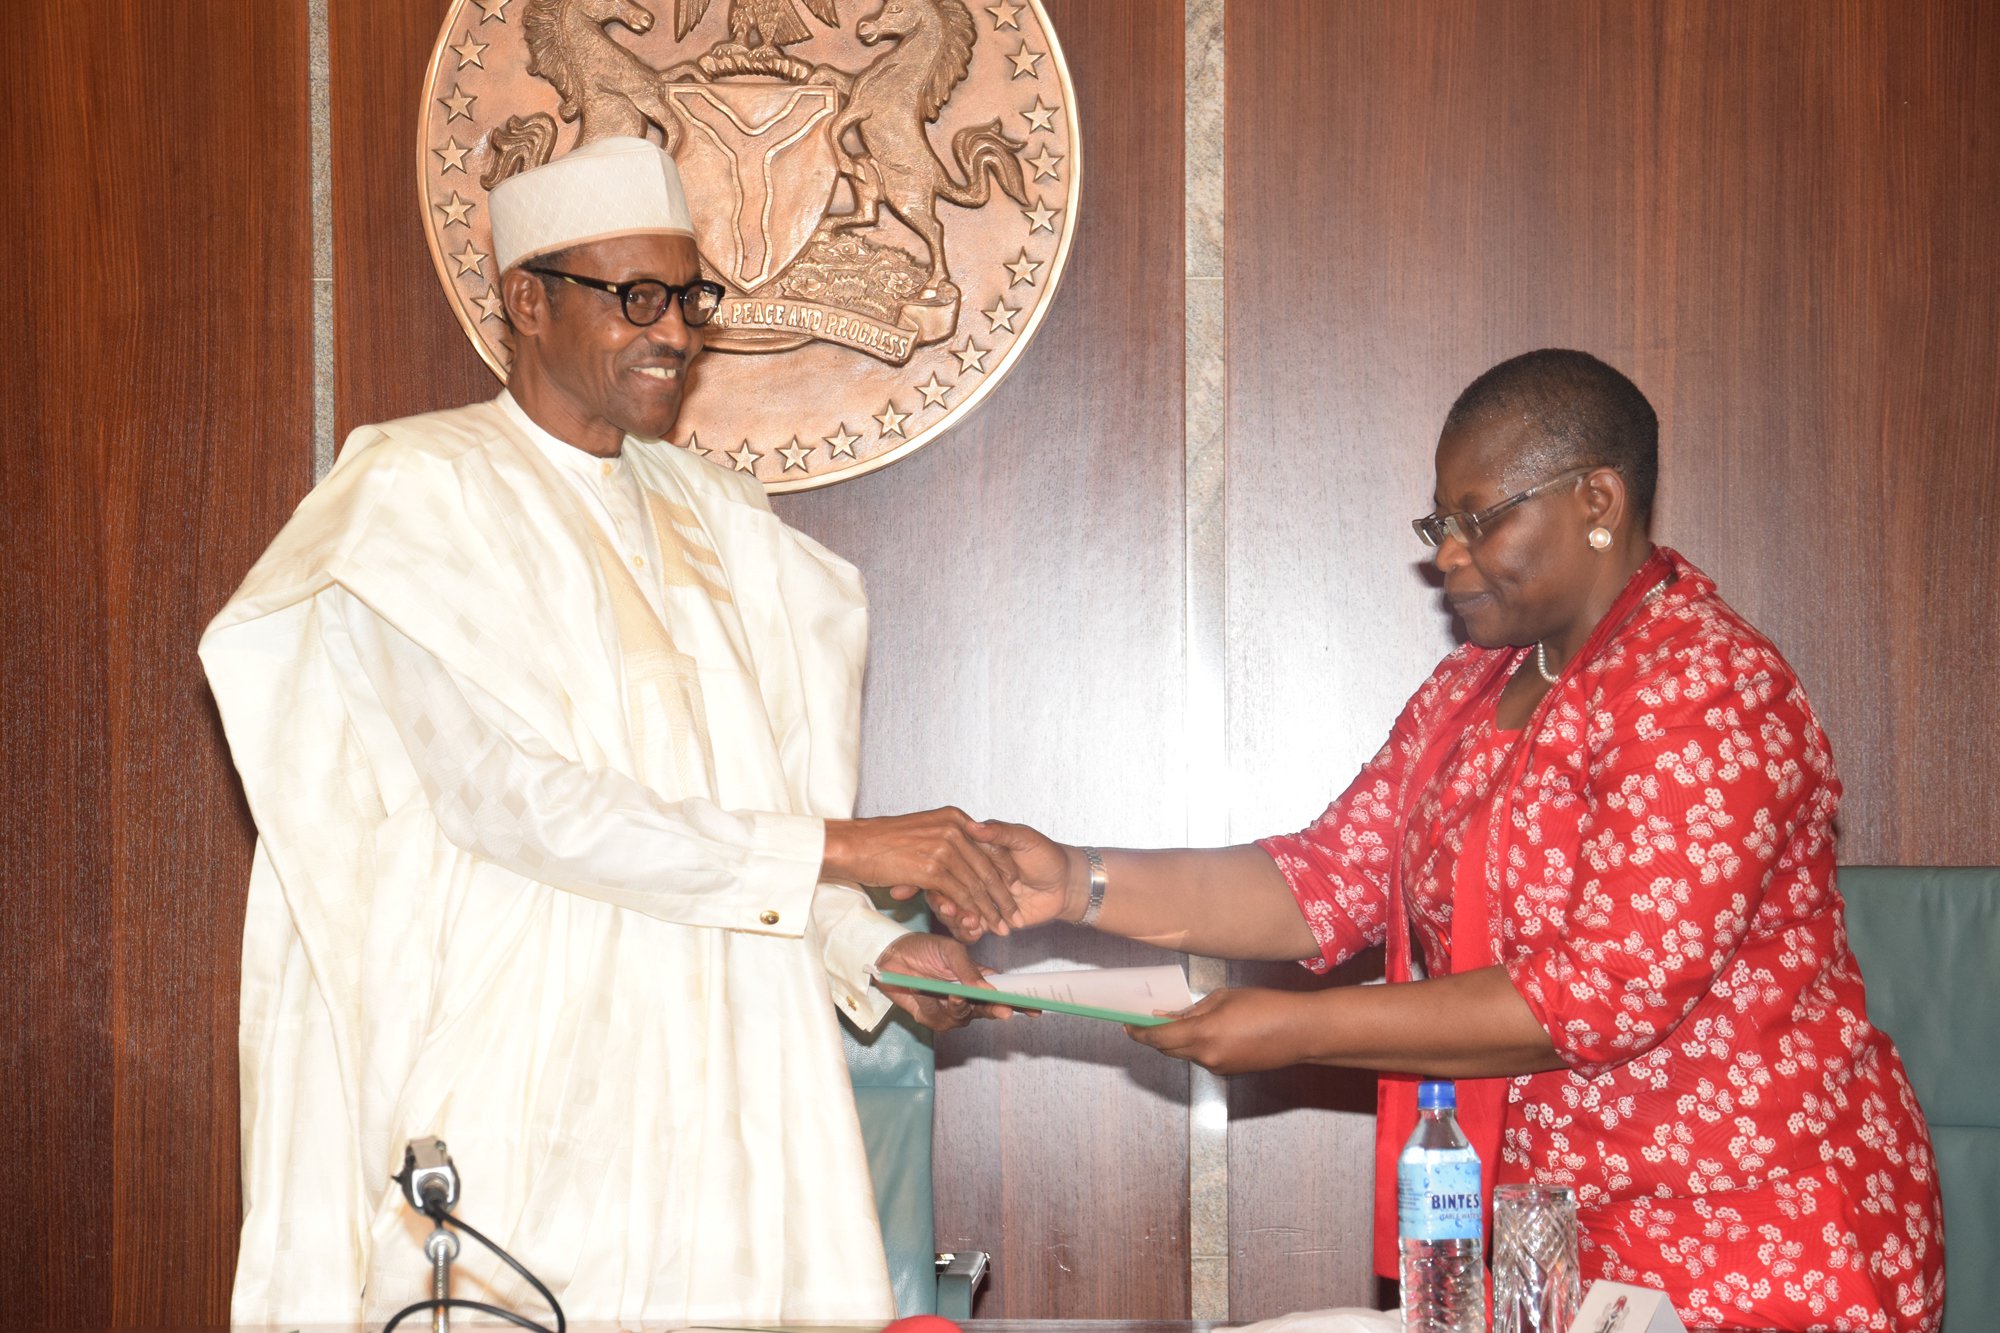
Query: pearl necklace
<point>1542,653</point>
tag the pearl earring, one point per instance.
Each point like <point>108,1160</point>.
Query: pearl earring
<point>1600,537</point>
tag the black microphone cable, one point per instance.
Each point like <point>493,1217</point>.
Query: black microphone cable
<point>434,1207</point>
<point>455,1303</point>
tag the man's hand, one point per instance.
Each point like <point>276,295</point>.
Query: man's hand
<point>1051,880</point>
<point>1239,1031</point>
<point>918,954</point>
<point>932,851</point>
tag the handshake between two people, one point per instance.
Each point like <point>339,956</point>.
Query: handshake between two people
<point>979,877</point>
<point>995,878</point>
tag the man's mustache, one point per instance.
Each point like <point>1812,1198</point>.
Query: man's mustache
<point>654,354</point>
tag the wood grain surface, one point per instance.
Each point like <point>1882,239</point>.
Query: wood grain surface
<point>155,377</point>
<point>1024,576</point>
<point>398,348</point>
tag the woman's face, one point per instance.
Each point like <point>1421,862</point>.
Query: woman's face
<point>1527,576</point>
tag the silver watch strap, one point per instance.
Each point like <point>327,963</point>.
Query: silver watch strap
<point>1099,881</point>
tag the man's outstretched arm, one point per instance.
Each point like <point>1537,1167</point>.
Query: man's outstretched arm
<point>501,791</point>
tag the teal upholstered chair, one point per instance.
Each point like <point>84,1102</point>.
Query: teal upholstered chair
<point>894,1074</point>
<point>1929,943</point>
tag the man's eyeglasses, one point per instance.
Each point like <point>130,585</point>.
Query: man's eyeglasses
<point>645,299</point>
<point>1468,526</point>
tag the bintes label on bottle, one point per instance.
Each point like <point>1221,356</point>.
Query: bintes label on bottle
<point>1437,1198</point>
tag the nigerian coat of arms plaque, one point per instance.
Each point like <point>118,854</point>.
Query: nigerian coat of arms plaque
<point>886,190</point>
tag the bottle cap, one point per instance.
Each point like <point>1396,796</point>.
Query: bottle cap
<point>1437,1096</point>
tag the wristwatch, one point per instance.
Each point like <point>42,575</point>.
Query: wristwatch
<point>1099,881</point>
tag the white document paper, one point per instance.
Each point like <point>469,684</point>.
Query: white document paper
<point>1132,990</point>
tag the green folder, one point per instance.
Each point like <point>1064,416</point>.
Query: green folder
<point>986,996</point>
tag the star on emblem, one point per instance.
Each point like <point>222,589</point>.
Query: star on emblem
<point>455,210</point>
<point>891,419</point>
<point>745,457</point>
<point>1000,316</point>
<point>1041,117</point>
<point>934,392</point>
<point>1041,217</point>
<point>1044,164</point>
<point>493,9</point>
<point>694,446</point>
<point>1005,16</point>
<point>1025,62</point>
<point>794,454</point>
<point>469,260</point>
<point>1023,269</point>
<point>490,305</point>
<point>971,357</point>
<point>460,103</point>
<point>471,52</point>
<point>452,155</point>
<point>843,443</point>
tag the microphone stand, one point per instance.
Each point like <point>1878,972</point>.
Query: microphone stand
<point>430,1185</point>
<point>441,1247</point>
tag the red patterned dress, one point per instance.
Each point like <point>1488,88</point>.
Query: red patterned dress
<point>1651,857</point>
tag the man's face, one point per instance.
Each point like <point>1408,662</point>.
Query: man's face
<point>610,374</point>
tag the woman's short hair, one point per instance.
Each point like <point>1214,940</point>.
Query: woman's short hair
<point>1585,411</point>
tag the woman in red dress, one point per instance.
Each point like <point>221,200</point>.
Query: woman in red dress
<point>1607,821</point>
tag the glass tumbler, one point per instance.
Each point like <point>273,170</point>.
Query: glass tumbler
<point>1536,1286</point>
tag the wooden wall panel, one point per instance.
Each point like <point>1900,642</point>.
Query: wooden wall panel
<point>156,386</point>
<point>1778,220</point>
<point>1025,574</point>
<point>398,348</point>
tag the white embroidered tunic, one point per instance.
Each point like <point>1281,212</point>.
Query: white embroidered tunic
<point>539,752</point>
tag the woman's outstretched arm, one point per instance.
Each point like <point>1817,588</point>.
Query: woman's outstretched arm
<point>1223,902</point>
<point>1471,1025</point>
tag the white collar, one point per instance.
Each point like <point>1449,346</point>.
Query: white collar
<point>558,451</point>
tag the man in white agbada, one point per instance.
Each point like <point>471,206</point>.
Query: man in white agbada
<point>550,732</point>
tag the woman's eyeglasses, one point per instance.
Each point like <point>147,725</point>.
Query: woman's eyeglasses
<point>1468,526</point>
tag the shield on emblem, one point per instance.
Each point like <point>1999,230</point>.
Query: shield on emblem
<point>759,164</point>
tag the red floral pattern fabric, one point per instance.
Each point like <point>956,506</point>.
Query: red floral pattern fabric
<point>1659,861</point>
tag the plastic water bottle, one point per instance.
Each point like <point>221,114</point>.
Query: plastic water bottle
<point>1438,1221</point>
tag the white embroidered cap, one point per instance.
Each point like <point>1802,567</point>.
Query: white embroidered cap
<point>619,186</point>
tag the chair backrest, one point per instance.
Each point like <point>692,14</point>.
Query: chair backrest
<point>1928,939</point>
<point>893,1070</point>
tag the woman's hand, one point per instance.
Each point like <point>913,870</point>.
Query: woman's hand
<point>1468,1025</point>
<point>1051,881</point>
<point>934,851</point>
<point>1239,1031</point>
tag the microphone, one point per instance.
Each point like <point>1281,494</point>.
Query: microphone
<point>429,1180</point>
<point>430,1185</point>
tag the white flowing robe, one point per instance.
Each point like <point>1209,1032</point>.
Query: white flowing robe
<point>537,878</point>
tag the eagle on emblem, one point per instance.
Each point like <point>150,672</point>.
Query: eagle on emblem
<point>757,27</point>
